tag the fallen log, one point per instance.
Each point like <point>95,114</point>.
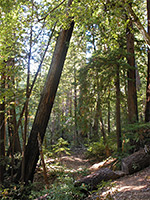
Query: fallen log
<point>135,162</point>
<point>93,180</point>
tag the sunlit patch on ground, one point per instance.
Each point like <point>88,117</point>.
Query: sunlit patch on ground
<point>133,187</point>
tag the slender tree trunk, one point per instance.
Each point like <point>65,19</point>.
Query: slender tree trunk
<point>35,77</point>
<point>27,102</point>
<point>11,118</point>
<point>132,95</point>
<point>147,110</point>
<point>102,127</point>
<point>2,133</point>
<point>98,109</point>
<point>46,103</point>
<point>96,121</point>
<point>12,123</point>
<point>109,114</point>
<point>12,130</point>
<point>118,122</point>
<point>75,109</point>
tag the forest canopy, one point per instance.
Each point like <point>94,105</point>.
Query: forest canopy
<point>75,70</point>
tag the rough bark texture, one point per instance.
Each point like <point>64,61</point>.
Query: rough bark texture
<point>46,103</point>
<point>96,178</point>
<point>147,110</point>
<point>135,162</point>
<point>132,95</point>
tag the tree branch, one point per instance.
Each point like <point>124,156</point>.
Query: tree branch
<point>40,65</point>
<point>51,11</point>
<point>137,22</point>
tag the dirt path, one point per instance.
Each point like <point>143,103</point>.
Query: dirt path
<point>131,187</point>
<point>76,161</point>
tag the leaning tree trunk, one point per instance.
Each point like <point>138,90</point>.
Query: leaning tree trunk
<point>147,110</point>
<point>46,103</point>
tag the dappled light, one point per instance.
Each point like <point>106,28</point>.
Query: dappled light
<point>130,187</point>
<point>75,100</point>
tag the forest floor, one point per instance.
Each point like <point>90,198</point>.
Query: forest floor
<point>129,187</point>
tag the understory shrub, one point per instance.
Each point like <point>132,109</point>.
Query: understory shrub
<point>96,151</point>
<point>62,188</point>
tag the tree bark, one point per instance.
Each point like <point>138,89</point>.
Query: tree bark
<point>147,109</point>
<point>12,130</point>
<point>135,162</point>
<point>132,95</point>
<point>15,146</point>
<point>76,134</point>
<point>27,100</point>
<point>118,122</point>
<point>109,108</point>
<point>98,114</point>
<point>2,133</point>
<point>96,120</point>
<point>96,178</point>
<point>46,103</point>
<point>102,127</point>
<point>34,80</point>
<point>136,20</point>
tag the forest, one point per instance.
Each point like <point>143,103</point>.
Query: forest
<point>74,84</point>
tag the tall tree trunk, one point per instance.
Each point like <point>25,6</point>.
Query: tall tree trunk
<point>46,103</point>
<point>147,109</point>
<point>2,133</point>
<point>12,123</point>
<point>98,108</point>
<point>132,95</point>
<point>34,80</point>
<point>13,133</point>
<point>102,127</point>
<point>27,101</point>
<point>75,109</point>
<point>96,121</point>
<point>109,108</point>
<point>118,122</point>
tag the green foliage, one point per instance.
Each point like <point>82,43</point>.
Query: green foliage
<point>100,33</point>
<point>65,190</point>
<point>61,147</point>
<point>105,184</point>
<point>96,150</point>
<point>15,191</point>
<point>62,188</point>
<point>138,134</point>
